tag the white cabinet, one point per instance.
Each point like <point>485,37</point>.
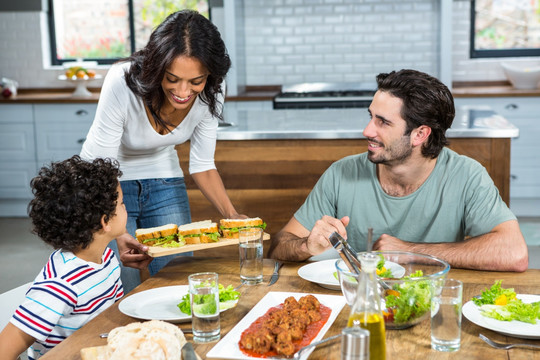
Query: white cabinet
<point>32,135</point>
<point>17,151</point>
<point>524,113</point>
<point>61,130</point>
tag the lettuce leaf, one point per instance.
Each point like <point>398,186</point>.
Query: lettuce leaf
<point>227,299</point>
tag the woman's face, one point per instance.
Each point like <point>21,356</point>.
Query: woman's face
<point>184,79</point>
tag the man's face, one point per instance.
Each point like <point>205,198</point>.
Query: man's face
<point>387,143</point>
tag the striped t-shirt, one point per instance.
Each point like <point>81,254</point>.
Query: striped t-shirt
<point>65,295</point>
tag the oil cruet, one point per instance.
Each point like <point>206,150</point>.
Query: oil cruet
<point>366,311</point>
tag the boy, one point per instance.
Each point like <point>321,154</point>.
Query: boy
<point>78,209</point>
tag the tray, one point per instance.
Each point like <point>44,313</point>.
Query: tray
<point>156,251</point>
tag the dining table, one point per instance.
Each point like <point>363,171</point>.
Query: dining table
<point>410,343</point>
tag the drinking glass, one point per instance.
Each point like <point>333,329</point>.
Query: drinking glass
<point>251,255</point>
<point>204,300</point>
<point>446,315</point>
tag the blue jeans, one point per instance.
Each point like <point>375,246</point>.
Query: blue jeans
<point>151,203</point>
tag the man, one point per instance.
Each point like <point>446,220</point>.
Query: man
<point>416,194</point>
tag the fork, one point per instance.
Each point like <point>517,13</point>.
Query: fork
<point>498,345</point>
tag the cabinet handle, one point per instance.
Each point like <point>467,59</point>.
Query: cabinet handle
<point>513,177</point>
<point>81,141</point>
<point>511,107</point>
<point>81,112</point>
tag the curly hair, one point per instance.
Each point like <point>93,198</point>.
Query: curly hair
<point>426,101</point>
<point>183,33</point>
<point>70,198</point>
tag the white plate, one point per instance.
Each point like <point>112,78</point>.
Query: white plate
<point>322,272</point>
<point>227,348</point>
<point>157,304</point>
<point>511,328</point>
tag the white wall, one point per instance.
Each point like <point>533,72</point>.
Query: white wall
<point>288,41</point>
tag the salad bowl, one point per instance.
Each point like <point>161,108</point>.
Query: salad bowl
<point>406,296</point>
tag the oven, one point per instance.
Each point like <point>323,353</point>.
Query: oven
<point>325,95</point>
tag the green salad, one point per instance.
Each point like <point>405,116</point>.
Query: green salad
<point>408,300</point>
<point>206,304</point>
<point>502,304</point>
<point>381,270</point>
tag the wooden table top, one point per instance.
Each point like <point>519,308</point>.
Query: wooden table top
<point>412,343</point>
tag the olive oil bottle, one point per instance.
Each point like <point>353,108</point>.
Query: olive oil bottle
<point>366,311</point>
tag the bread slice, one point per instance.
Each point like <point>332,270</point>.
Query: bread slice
<point>199,232</point>
<point>151,236</point>
<point>230,227</point>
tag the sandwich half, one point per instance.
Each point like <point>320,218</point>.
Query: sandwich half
<point>199,232</point>
<point>230,227</point>
<point>165,236</point>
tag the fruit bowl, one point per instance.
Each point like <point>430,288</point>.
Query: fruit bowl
<point>406,298</point>
<point>523,75</point>
<point>80,84</point>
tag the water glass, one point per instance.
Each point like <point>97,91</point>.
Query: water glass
<point>204,300</point>
<point>446,315</point>
<point>251,255</point>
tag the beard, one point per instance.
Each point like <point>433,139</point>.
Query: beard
<point>393,154</point>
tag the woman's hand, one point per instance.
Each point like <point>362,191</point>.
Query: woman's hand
<point>132,252</point>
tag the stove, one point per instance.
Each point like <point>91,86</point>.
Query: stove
<point>325,95</point>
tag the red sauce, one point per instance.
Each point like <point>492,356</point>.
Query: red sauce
<point>311,331</point>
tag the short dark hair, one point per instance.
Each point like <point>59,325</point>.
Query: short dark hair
<point>70,198</point>
<point>426,101</point>
<point>183,33</point>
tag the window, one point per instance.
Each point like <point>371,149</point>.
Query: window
<point>505,28</point>
<point>106,30</point>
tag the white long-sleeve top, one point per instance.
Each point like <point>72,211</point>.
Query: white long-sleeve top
<point>121,130</point>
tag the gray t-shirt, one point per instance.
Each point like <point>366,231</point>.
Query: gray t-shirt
<point>458,199</point>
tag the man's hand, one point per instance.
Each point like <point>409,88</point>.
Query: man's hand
<point>387,242</point>
<point>317,241</point>
<point>132,252</point>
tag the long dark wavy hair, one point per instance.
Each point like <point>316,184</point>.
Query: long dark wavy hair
<point>426,101</point>
<point>183,33</point>
<point>70,198</point>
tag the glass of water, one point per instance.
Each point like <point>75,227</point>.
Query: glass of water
<point>251,255</point>
<point>446,315</point>
<point>204,301</point>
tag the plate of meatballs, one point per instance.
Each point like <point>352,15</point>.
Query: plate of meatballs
<point>279,325</point>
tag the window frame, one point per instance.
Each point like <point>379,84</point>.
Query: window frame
<point>101,61</point>
<point>496,53</point>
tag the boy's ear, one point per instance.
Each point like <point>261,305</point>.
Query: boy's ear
<point>105,225</point>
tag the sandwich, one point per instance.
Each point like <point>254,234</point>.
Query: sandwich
<point>164,236</point>
<point>231,227</point>
<point>199,232</point>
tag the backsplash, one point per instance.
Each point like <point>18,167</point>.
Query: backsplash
<point>329,40</point>
<point>291,41</point>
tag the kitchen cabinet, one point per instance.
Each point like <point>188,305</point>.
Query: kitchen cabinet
<point>32,135</point>
<point>17,154</point>
<point>524,113</point>
<point>61,130</point>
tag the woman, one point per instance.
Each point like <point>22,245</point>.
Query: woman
<point>163,95</point>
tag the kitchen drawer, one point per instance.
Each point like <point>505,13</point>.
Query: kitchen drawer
<point>508,107</point>
<point>16,114</point>
<point>60,140</point>
<point>15,179</point>
<point>64,113</point>
<point>17,141</point>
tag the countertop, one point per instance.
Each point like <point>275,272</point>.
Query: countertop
<point>265,93</point>
<point>469,122</point>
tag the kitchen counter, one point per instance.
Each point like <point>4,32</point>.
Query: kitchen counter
<point>266,93</point>
<point>477,122</point>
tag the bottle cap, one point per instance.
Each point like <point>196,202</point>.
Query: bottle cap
<point>354,343</point>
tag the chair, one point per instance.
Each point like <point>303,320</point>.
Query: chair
<point>9,301</point>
